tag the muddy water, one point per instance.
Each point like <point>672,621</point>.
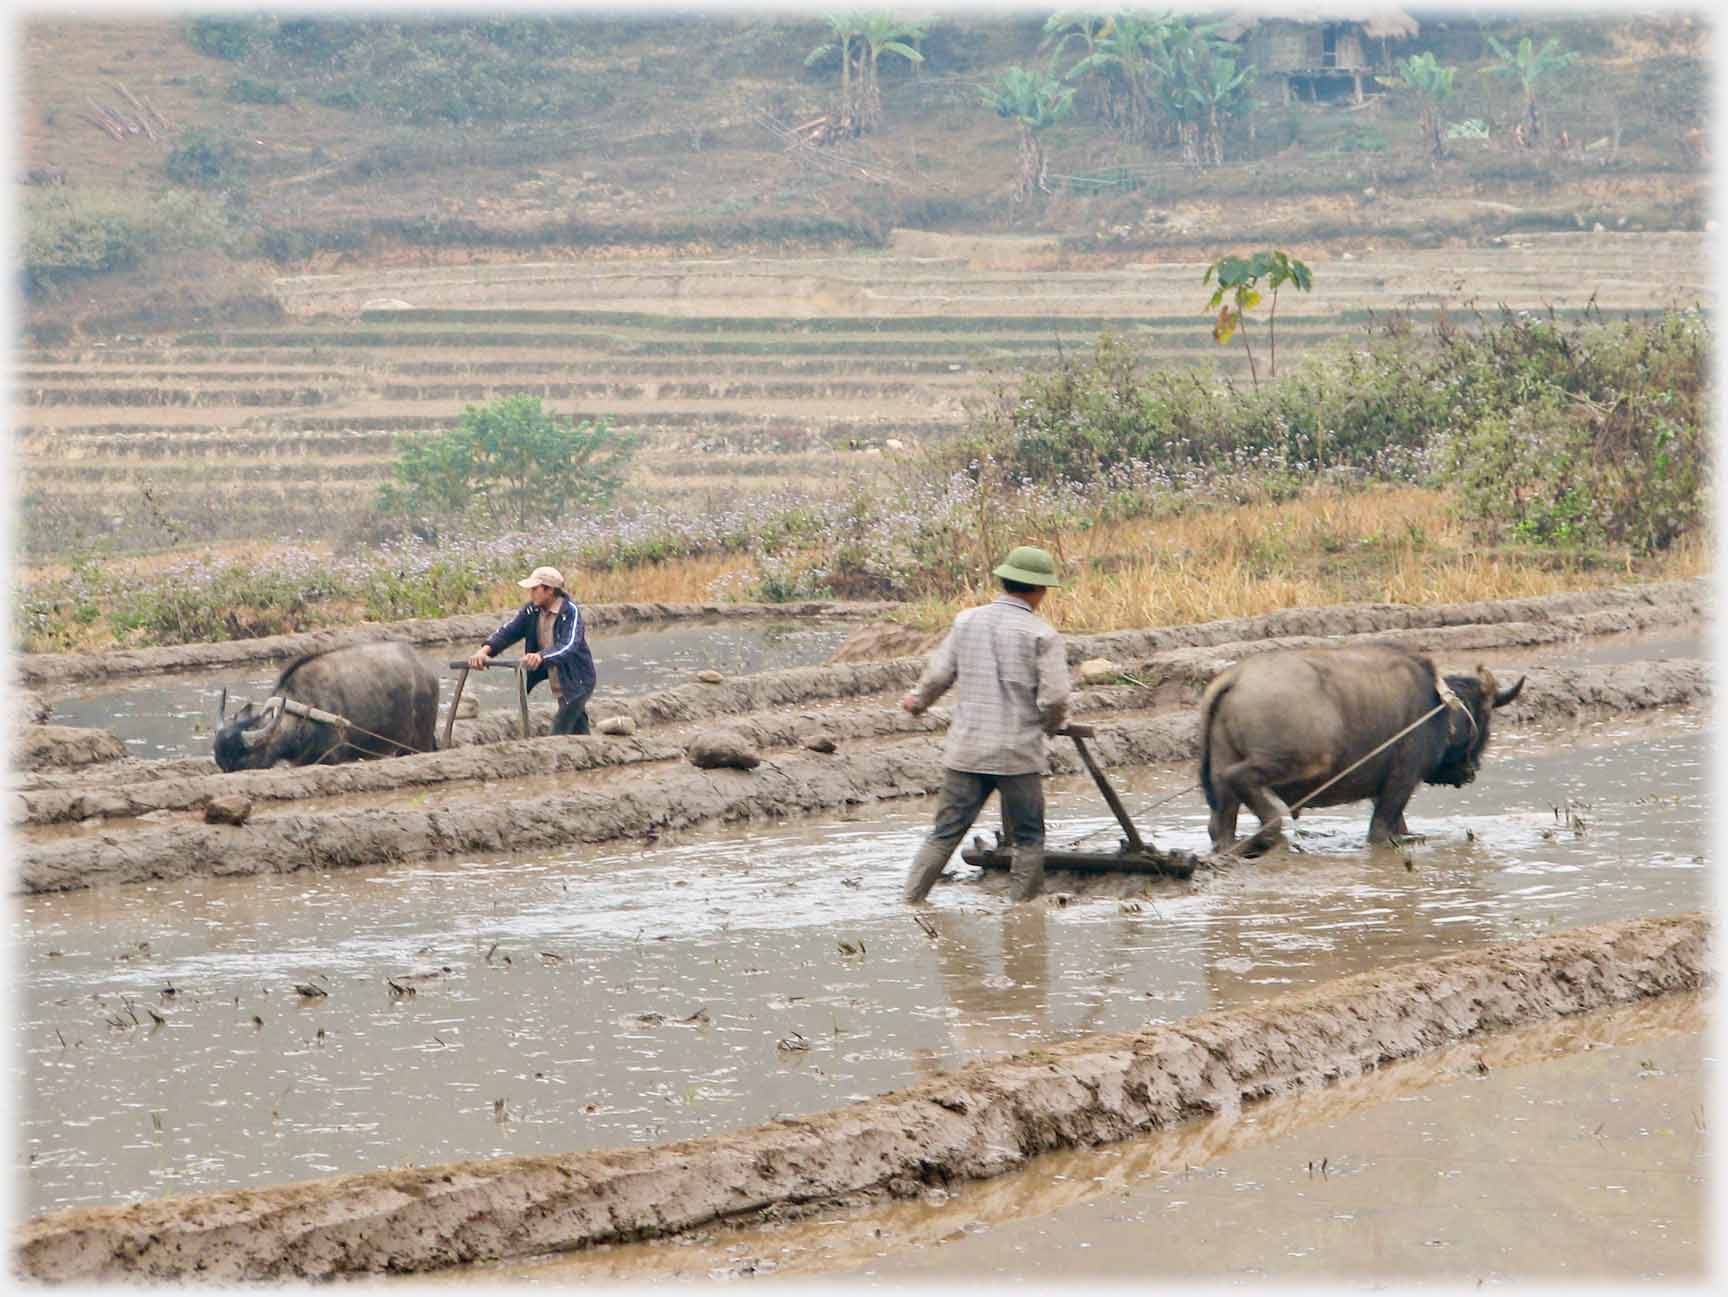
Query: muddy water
<point>629,996</point>
<point>1570,1150</point>
<point>172,716</point>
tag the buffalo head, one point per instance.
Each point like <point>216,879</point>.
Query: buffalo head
<point>1467,735</point>
<point>243,740</point>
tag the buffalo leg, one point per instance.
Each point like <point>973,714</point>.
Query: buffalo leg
<point>1245,782</point>
<point>1387,822</point>
<point>1223,826</point>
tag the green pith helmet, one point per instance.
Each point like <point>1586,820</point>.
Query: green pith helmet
<point>1028,565</point>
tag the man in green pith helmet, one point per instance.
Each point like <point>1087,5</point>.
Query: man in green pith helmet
<point>1012,671</point>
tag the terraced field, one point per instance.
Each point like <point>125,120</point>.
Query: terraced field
<point>742,376</point>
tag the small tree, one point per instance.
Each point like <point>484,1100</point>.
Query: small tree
<point>1035,101</point>
<point>1423,76</point>
<point>1239,279</point>
<point>1534,68</point>
<point>510,461</point>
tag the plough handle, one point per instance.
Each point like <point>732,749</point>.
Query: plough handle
<point>1080,733</point>
<point>514,664</point>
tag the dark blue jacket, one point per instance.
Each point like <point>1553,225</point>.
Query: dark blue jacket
<point>568,653</point>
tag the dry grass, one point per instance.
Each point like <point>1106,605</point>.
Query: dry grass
<point>1400,545</point>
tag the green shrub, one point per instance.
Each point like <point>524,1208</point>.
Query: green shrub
<point>225,37</point>
<point>206,158</point>
<point>72,232</point>
<point>244,90</point>
<point>511,460</point>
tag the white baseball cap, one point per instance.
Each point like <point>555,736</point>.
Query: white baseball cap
<point>547,576</point>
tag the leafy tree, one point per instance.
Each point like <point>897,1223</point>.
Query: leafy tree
<point>1122,53</point>
<point>1199,87</point>
<point>1035,101</point>
<point>1086,26</point>
<point>509,461</point>
<point>1534,68</point>
<point>1423,76</point>
<point>1239,279</point>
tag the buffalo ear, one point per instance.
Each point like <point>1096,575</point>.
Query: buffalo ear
<point>1506,696</point>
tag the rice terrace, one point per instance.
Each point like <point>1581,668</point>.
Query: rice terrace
<point>537,535</point>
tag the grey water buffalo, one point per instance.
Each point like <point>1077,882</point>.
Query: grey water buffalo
<point>389,696</point>
<point>1276,727</point>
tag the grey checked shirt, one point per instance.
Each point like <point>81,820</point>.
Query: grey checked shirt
<point>1013,677</point>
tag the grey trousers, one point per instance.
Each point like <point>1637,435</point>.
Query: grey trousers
<point>962,797</point>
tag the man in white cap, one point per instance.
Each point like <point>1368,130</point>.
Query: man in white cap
<point>1013,683</point>
<point>557,647</point>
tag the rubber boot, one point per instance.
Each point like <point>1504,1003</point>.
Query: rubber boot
<point>927,867</point>
<point>1025,873</point>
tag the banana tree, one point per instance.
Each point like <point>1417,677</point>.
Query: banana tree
<point>1239,280</point>
<point>1211,88</point>
<point>879,34</point>
<point>1124,50</point>
<point>1534,68</point>
<point>1432,84</point>
<point>1035,101</point>
<point>1087,26</point>
<point>845,29</point>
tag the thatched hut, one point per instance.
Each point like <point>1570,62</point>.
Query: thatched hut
<point>1321,54</point>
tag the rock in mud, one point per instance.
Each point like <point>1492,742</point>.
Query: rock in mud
<point>467,707</point>
<point>622,726</point>
<point>722,749</point>
<point>228,810</point>
<point>819,743</point>
<point>1099,671</point>
<point>711,677</point>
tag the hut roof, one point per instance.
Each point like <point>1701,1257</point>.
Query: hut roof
<point>1375,20</point>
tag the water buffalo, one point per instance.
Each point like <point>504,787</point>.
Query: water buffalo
<point>1275,727</point>
<point>383,687</point>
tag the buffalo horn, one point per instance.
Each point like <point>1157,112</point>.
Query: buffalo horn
<point>222,707</point>
<point>1507,695</point>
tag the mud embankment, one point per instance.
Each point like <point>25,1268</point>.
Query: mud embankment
<point>59,670</point>
<point>979,1122</point>
<point>675,796</point>
<point>63,747</point>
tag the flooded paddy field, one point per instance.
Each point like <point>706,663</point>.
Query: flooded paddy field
<point>631,995</point>
<point>1574,1150</point>
<point>165,716</point>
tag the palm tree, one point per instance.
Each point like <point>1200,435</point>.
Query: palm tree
<point>1432,83</point>
<point>1532,67</point>
<point>1216,89</point>
<point>1036,101</point>
<point>879,34</point>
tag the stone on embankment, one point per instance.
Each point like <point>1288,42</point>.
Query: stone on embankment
<point>621,726</point>
<point>467,707</point>
<point>711,677</point>
<point>1099,671</point>
<point>228,810</point>
<point>819,743</point>
<point>722,750</point>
